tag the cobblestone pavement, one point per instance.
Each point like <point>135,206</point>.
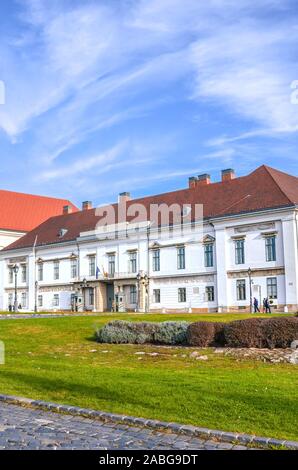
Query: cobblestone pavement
<point>25,428</point>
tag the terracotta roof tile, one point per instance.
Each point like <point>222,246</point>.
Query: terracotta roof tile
<point>23,212</point>
<point>264,188</point>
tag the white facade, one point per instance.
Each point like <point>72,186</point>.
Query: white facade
<point>7,237</point>
<point>199,271</point>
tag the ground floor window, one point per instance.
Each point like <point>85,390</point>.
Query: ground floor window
<point>91,297</point>
<point>133,294</point>
<point>56,300</point>
<point>210,293</point>
<point>156,296</point>
<point>182,294</point>
<point>40,300</point>
<point>241,289</point>
<point>272,287</point>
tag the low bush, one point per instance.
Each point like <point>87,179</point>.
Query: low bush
<point>251,333</point>
<point>244,333</point>
<point>120,332</point>
<point>204,334</point>
<point>171,332</point>
<point>280,332</point>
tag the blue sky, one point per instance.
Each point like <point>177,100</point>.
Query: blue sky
<point>105,96</point>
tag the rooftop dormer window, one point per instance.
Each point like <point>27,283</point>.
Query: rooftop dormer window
<point>62,232</point>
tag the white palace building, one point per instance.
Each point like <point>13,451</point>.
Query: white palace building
<point>242,245</point>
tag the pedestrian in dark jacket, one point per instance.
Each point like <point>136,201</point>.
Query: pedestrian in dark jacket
<point>267,305</point>
<point>256,305</point>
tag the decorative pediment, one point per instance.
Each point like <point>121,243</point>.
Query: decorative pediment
<point>155,246</point>
<point>208,239</point>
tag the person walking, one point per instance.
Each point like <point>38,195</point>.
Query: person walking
<point>264,305</point>
<point>256,305</point>
<point>267,305</point>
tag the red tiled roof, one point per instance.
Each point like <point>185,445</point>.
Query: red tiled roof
<point>23,212</point>
<point>264,188</point>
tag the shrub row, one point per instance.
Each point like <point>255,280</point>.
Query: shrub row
<point>143,332</point>
<point>250,333</point>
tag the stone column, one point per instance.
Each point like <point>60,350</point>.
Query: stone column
<point>221,257</point>
<point>101,297</point>
<point>142,296</point>
<point>31,282</point>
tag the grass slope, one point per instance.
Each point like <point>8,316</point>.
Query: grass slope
<point>54,359</point>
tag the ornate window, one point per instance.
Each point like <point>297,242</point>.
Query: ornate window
<point>208,255</point>
<point>241,289</point>
<point>56,270</point>
<point>272,287</point>
<point>156,260</point>
<point>111,261</point>
<point>73,268</point>
<point>133,294</point>
<point>156,296</point>
<point>270,248</point>
<point>181,257</point>
<point>132,263</point>
<point>239,251</point>
<point>210,293</point>
<point>182,294</point>
<point>92,263</point>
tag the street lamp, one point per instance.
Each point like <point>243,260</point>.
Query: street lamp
<point>35,296</point>
<point>250,290</point>
<point>16,270</point>
<point>84,286</point>
<point>139,277</point>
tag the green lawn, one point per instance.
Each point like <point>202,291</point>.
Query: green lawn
<point>54,359</point>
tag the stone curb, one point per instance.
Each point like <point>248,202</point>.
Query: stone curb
<point>204,433</point>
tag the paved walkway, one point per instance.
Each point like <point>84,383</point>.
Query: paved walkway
<point>25,428</point>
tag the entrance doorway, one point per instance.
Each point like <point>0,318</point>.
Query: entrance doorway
<point>110,296</point>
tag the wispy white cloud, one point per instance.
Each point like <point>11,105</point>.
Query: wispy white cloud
<point>101,163</point>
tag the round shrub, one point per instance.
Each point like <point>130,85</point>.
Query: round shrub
<point>171,332</point>
<point>204,334</point>
<point>280,332</point>
<point>245,333</point>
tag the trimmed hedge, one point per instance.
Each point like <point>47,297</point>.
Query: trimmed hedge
<point>250,333</point>
<point>204,334</point>
<point>120,332</point>
<point>280,332</point>
<point>244,333</point>
<point>261,333</point>
<point>171,332</point>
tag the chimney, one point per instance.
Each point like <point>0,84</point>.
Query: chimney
<point>67,210</point>
<point>203,180</point>
<point>124,197</point>
<point>192,182</point>
<point>86,205</point>
<point>227,175</point>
